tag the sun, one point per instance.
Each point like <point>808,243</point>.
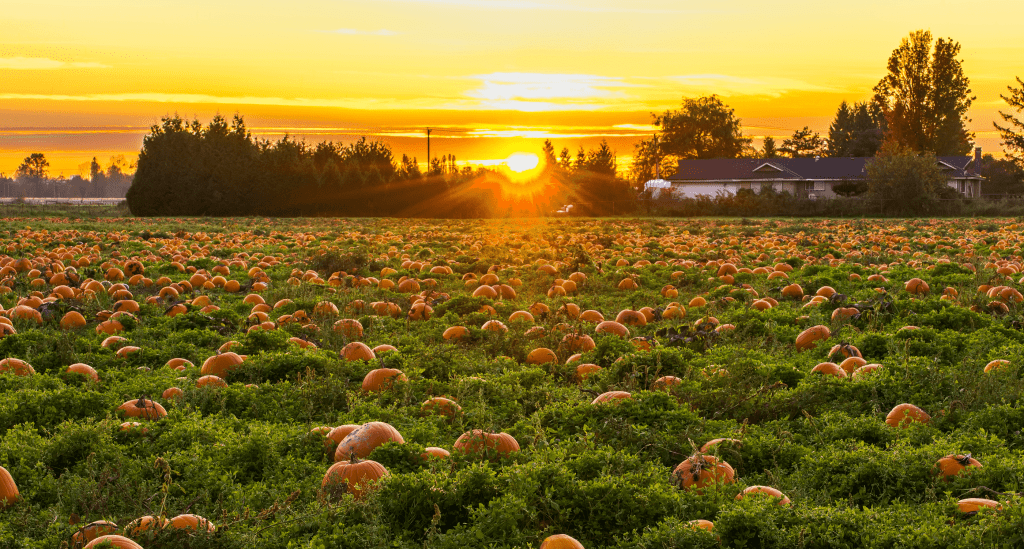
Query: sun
<point>520,162</point>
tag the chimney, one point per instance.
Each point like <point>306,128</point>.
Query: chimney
<point>977,160</point>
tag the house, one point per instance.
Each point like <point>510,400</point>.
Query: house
<point>801,177</point>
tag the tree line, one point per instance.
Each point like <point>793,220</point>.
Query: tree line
<point>220,169</point>
<point>33,179</point>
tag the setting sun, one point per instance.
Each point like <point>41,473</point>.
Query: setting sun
<point>521,162</point>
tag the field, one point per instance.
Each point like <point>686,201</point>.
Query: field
<point>616,381</point>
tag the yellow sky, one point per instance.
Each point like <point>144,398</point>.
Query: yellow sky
<point>525,65</point>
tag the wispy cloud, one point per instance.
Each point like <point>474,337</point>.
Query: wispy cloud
<point>727,85</point>
<point>42,64</point>
<point>544,6</point>
<point>359,32</point>
<point>522,86</point>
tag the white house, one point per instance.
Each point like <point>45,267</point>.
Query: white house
<point>802,177</point>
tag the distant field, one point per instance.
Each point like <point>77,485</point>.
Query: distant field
<point>644,375</point>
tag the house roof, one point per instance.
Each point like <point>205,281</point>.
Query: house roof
<point>796,169</point>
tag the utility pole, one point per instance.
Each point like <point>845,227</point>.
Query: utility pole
<point>428,150</point>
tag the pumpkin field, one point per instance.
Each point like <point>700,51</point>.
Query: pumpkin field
<point>245,383</point>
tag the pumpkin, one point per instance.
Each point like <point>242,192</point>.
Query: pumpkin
<point>349,328</point>
<point>583,371</point>
<point>701,524</point>
<point>333,437</point>
<point>441,406</point>
<point>631,318</point>
<point>952,465</point>
<point>179,364</point>
<point>357,351</point>
<point>16,366</point>
<point>973,505</point>
<point>541,355</point>
<point>611,396</point>
<point>904,414</point>
<point>455,332</point>
<point>85,370</point>
<point>520,316</point>
<point>494,326</point>
<point>612,327</point>
<point>995,364</point>
<point>852,363</point>
<point>763,490</point>
<point>575,343</point>
<point>810,337</point>
<point>916,286</point>
<point>221,364</point>
<point>72,320</point>
<point>192,522</point>
<point>665,383</point>
<point>592,316</point>
<point>354,477</point>
<point>477,440</point>
<point>363,440</point>
<point>866,369</point>
<point>91,531</point>
<point>211,381</point>
<point>8,489</point>
<point>699,471</point>
<point>434,452</point>
<point>114,541</point>
<point>172,393</point>
<point>560,541</point>
<point>142,408</point>
<point>382,379</point>
<point>829,368</point>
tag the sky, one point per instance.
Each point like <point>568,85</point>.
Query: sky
<point>84,79</point>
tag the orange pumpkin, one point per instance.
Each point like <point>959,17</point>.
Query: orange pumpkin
<point>560,541</point>
<point>362,441</point>
<point>142,408</point>
<point>8,489</point>
<point>477,440</point>
<point>221,364</point>
<point>611,396</point>
<point>353,476</point>
<point>382,379</point>
<point>91,531</point>
<point>904,414</point>
<point>114,541</point>
<point>952,465</point>
<point>699,471</point>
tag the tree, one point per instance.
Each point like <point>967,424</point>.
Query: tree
<point>1013,132</point>
<point>649,162</point>
<point>1003,176</point>
<point>34,167</point>
<point>768,149</point>
<point>904,180</point>
<point>857,130</point>
<point>803,144</point>
<point>549,153</point>
<point>850,188</point>
<point>925,96</point>
<point>703,128</point>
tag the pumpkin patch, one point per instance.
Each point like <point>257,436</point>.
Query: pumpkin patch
<point>239,383</point>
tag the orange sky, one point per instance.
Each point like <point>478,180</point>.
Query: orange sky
<point>84,79</point>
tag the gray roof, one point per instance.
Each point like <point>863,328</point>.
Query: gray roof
<point>796,169</point>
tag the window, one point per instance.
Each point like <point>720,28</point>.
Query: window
<point>819,185</point>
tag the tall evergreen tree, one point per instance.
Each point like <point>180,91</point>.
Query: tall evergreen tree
<point>803,144</point>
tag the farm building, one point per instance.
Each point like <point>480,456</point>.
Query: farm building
<point>801,177</point>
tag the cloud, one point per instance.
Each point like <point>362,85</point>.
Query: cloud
<point>42,64</point>
<point>726,85</point>
<point>358,32</point>
<point>543,6</point>
<point>523,86</point>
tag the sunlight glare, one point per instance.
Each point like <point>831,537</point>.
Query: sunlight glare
<point>521,162</point>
